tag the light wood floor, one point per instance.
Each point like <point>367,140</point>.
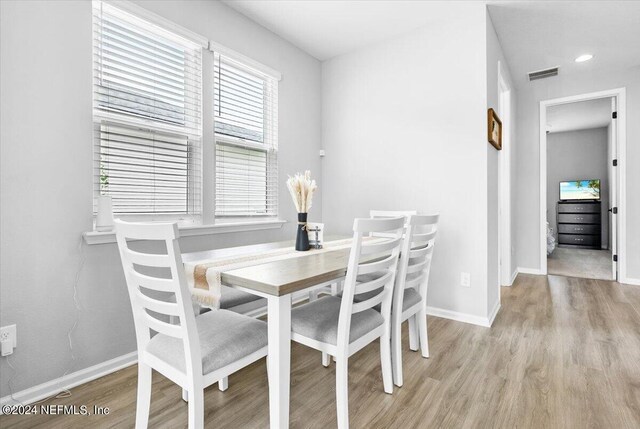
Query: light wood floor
<point>562,353</point>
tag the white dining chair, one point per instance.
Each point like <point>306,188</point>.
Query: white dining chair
<point>377,214</point>
<point>196,352</point>
<point>340,327</point>
<point>374,214</point>
<point>410,292</point>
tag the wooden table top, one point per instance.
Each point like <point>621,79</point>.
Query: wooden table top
<point>280,277</point>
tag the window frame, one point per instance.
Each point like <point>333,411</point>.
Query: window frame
<point>206,218</point>
<point>270,135</point>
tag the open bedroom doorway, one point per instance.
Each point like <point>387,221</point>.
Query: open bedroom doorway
<point>581,185</point>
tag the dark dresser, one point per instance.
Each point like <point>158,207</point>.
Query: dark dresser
<point>579,224</point>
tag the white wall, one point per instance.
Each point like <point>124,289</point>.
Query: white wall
<point>495,158</point>
<point>46,176</point>
<point>528,181</point>
<point>404,127</point>
<point>572,155</point>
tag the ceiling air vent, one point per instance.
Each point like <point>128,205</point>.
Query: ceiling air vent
<point>541,74</point>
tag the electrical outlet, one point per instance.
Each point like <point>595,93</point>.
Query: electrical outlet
<point>465,279</point>
<point>9,333</point>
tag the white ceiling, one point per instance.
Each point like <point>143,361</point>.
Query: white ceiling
<point>326,28</point>
<point>534,34</point>
<point>579,116</point>
<point>538,35</point>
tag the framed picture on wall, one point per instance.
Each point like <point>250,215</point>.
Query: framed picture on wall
<point>494,129</point>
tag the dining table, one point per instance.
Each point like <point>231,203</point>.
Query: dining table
<point>277,281</point>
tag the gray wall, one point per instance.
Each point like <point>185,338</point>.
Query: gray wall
<point>403,132</point>
<point>528,180</point>
<point>46,176</point>
<point>577,155</point>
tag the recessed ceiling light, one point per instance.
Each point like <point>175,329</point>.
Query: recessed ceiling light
<point>583,58</point>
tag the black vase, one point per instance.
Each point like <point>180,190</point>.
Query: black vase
<point>302,237</point>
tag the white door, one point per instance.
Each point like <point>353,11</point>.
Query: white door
<point>613,190</point>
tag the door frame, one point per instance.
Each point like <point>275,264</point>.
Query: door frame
<point>620,95</point>
<point>505,109</point>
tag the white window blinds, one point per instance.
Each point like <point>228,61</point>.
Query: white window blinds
<point>147,110</point>
<point>246,117</point>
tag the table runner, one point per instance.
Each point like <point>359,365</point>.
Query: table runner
<point>205,277</point>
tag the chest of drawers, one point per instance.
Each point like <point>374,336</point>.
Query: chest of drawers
<point>579,224</point>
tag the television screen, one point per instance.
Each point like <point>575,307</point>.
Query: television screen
<point>580,190</point>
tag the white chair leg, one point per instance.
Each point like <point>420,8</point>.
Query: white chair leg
<point>424,337</point>
<point>413,334</point>
<point>385,361</point>
<point>185,395</point>
<point>196,408</point>
<point>334,288</point>
<point>223,384</point>
<point>342,391</point>
<point>313,295</point>
<point>144,396</point>
<point>326,359</point>
<point>396,353</point>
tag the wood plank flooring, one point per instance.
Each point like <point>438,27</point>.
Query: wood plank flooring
<point>562,353</point>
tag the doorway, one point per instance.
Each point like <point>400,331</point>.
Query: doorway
<point>582,144</point>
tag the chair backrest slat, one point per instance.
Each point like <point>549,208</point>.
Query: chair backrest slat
<point>421,252</point>
<point>162,307</point>
<point>380,247</point>
<point>417,267</point>
<point>153,283</point>
<point>415,260</point>
<point>385,252</point>
<point>164,296</point>
<point>375,265</point>
<point>381,214</point>
<point>163,327</point>
<point>372,285</point>
<point>422,238</point>
<point>148,259</point>
<point>413,280</point>
<point>368,303</point>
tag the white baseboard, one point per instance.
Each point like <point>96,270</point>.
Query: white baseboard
<point>459,317</point>
<point>535,271</point>
<point>513,276</point>
<point>512,279</point>
<point>68,381</point>
<point>630,281</point>
<point>494,313</point>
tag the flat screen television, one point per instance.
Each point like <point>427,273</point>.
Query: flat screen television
<point>580,190</point>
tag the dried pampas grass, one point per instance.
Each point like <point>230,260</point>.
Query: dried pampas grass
<point>301,187</point>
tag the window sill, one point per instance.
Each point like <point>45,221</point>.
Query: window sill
<point>96,237</point>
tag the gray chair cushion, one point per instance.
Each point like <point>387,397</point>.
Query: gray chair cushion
<point>411,298</point>
<point>319,320</point>
<point>225,337</point>
<point>231,297</point>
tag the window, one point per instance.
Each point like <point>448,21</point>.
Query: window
<point>149,115</point>
<point>245,115</point>
<point>147,91</point>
